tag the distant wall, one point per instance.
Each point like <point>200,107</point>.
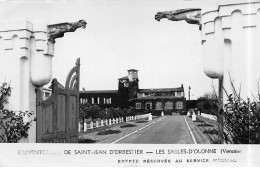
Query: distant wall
<point>212,117</point>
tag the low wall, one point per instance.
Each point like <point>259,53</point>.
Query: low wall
<point>212,117</point>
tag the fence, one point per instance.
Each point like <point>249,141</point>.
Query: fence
<point>108,122</point>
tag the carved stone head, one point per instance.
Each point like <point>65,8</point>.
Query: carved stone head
<point>159,16</point>
<point>82,24</point>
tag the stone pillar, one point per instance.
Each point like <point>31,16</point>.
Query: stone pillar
<point>91,125</point>
<point>97,125</point>
<point>85,126</point>
<point>26,62</point>
<point>79,127</point>
<point>109,122</point>
<point>26,51</point>
<point>162,114</point>
<point>150,117</point>
<point>106,122</point>
<point>102,123</point>
<point>193,116</point>
<point>230,39</point>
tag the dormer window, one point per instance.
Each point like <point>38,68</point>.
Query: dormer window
<point>126,84</point>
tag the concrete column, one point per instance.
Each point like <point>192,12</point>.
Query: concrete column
<point>101,123</point>
<point>109,122</point>
<point>150,117</point>
<point>25,49</point>
<point>162,114</point>
<point>91,125</point>
<point>193,117</point>
<point>230,39</point>
<point>79,127</point>
<point>85,126</point>
<point>97,125</point>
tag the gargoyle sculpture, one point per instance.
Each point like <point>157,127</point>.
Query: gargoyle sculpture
<point>58,30</point>
<point>190,15</point>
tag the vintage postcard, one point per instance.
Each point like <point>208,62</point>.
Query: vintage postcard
<point>129,83</point>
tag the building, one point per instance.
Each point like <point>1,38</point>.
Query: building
<point>47,91</point>
<point>129,94</point>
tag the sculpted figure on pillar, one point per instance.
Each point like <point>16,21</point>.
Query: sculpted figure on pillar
<point>190,15</point>
<point>58,30</point>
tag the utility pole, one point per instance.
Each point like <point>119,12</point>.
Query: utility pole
<point>189,92</point>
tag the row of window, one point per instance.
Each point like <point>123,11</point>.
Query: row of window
<point>96,100</point>
<point>177,94</point>
<point>159,105</point>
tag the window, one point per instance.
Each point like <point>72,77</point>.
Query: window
<point>179,105</point>
<point>85,100</point>
<point>47,95</point>
<point>148,105</point>
<point>138,105</point>
<point>179,94</point>
<point>126,84</point>
<point>158,106</point>
<point>107,101</point>
<point>168,105</point>
<point>95,100</point>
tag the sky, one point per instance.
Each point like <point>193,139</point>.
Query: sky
<point>122,35</point>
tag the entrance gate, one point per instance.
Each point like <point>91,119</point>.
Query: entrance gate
<point>57,117</point>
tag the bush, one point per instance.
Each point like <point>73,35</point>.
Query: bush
<point>141,121</point>
<point>108,132</point>
<point>210,131</point>
<point>127,125</point>
<point>83,140</point>
<point>205,124</point>
<point>238,119</point>
<point>12,126</point>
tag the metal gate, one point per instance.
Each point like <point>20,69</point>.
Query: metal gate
<point>57,117</point>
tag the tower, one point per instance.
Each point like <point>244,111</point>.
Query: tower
<point>133,83</point>
<point>128,87</point>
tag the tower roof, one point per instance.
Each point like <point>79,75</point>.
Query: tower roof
<point>124,78</point>
<point>132,70</point>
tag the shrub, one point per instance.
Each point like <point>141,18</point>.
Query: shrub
<point>83,140</point>
<point>210,131</point>
<point>205,124</point>
<point>238,119</point>
<point>12,126</point>
<point>141,121</point>
<point>108,131</point>
<point>127,125</point>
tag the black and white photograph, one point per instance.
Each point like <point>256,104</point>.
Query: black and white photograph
<point>130,83</point>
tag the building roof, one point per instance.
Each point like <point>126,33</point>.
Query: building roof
<point>132,70</point>
<point>160,90</point>
<point>156,97</point>
<point>59,85</point>
<point>100,91</point>
<point>124,78</point>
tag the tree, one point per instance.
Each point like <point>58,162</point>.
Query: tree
<point>87,110</point>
